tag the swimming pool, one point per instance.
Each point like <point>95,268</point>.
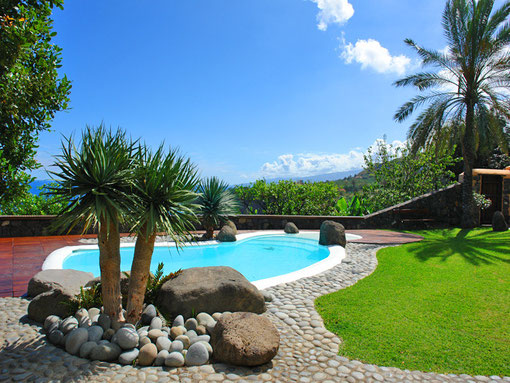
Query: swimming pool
<point>264,258</point>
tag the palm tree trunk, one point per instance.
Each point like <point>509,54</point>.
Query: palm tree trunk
<point>109,262</point>
<point>140,270</point>
<point>469,216</point>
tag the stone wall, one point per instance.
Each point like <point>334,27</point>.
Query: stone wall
<point>443,209</point>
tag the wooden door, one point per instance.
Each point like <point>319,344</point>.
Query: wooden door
<point>492,188</point>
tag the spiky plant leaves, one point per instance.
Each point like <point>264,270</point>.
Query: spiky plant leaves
<point>216,203</point>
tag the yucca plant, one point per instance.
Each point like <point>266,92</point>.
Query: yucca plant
<point>164,185</point>
<point>94,180</point>
<point>216,203</point>
<point>468,92</point>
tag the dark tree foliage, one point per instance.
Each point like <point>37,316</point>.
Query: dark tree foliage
<point>31,91</point>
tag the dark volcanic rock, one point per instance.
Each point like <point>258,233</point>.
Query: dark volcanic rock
<point>61,279</point>
<point>226,234</point>
<point>332,233</point>
<point>245,339</point>
<point>291,228</point>
<point>210,290</point>
<point>498,222</point>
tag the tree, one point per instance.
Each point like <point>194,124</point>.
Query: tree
<point>164,187</point>
<point>216,203</point>
<point>31,91</point>
<point>400,175</point>
<point>289,198</point>
<point>466,94</point>
<point>95,182</point>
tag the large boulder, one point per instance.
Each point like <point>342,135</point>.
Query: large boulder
<point>209,290</point>
<point>498,222</point>
<point>57,279</point>
<point>291,228</point>
<point>232,225</point>
<point>53,302</point>
<point>226,234</point>
<point>245,339</point>
<point>332,233</point>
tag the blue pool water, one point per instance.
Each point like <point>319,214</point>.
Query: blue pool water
<point>256,258</point>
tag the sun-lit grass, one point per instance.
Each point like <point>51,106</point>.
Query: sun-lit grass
<point>440,305</point>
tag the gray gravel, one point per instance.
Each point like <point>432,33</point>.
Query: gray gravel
<point>308,352</point>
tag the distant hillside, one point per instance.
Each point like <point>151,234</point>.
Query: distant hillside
<point>319,177</point>
<point>354,184</point>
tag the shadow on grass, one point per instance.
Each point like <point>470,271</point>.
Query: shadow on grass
<point>474,246</point>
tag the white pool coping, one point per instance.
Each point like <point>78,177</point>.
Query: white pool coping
<point>336,254</point>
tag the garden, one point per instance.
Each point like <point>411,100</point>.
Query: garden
<point>340,299</point>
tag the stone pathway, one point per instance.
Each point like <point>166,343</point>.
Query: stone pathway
<point>308,352</point>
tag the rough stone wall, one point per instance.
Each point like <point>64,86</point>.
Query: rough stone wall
<point>506,198</point>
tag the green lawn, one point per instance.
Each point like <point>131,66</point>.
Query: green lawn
<point>439,305</point>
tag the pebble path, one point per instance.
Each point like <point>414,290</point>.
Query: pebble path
<point>308,352</point>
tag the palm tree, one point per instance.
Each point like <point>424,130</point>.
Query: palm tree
<point>164,185</point>
<point>217,203</point>
<point>95,181</point>
<point>468,93</point>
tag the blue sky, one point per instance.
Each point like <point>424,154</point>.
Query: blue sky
<point>246,88</point>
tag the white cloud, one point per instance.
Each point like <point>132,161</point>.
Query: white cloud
<point>371,54</point>
<point>333,12</point>
<point>309,164</point>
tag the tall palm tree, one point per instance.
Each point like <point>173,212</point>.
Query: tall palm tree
<point>467,95</point>
<point>164,186</point>
<point>216,202</point>
<point>95,180</point>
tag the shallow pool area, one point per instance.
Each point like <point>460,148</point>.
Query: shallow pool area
<point>267,258</point>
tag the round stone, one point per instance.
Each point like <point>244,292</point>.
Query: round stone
<point>56,337</point>
<point>174,359</point>
<point>144,328</point>
<point>51,321</point>
<point>184,339</point>
<point>160,358</point>
<point>53,326</point>
<point>127,357</point>
<point>144,340</point>
<point>176,331</point>
<point>208,347</point>
<point>86,349</point>
<point>155,334</point>
<point>201,330</point>
<point>191,324</point>
<point>163,343</point>
<point>76,338</point>
<point>95,333</point>
<point>84,322</point>
<point>191,334</point>
<point>148,314</point>
<point>217,316</point>
<point>93,312</point>
<point>178,321</point>
<point>127,338</point>
<point>107,352</point>
<point>156,323</point>
<point>200,338</point>
<point>210,327</point>
<point>108,334</point>
<point>176,346</point>
<point>104,321</point>
<point>81,313</point>
<point>197,355</point>
<point>147,354</point>
<point>204,318</point>
<point>68,324</point>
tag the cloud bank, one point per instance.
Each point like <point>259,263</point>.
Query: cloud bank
<point>310,164</point>
<point>333,12</point>
<point>371,54</point>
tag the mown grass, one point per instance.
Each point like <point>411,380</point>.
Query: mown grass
<point>439,305</point>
